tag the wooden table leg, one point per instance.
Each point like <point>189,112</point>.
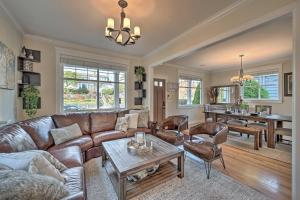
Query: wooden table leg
<point>180,165</point>
<point>260,138</point>
<point>271,134</point>
<point>122,188</point>
<point>256,141</point>
<point>103,158</point>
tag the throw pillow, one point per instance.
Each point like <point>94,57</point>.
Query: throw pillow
<point>19,184</point>
<point>143,118</point>
<point>40,165</point>
<point>132,120</point>
<point>122,124</point>
<point>67,133</point>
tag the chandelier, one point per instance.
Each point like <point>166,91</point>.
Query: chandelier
<point>241,78</point>
<point>123,35</point>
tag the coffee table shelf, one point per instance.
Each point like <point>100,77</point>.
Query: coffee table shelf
<point>165,172</point>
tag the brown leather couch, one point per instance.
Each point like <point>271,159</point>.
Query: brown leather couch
<point>97,127</point>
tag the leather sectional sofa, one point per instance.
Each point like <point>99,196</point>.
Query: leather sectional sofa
<point>97,127</point>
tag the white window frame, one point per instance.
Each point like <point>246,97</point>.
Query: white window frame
<point>261,70</point>
<point>201,92</point>
<point>85,56</point>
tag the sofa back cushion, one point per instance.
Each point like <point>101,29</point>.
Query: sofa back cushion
<point>14,139</point>
<point>39,130</point>
<point>103,121</point>
<point>82,119</point>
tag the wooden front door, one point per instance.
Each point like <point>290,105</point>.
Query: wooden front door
<point>159,98</point>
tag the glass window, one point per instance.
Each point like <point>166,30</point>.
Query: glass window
<point>262,87</point>
<point>224,95</point>
<point>92,88</point>
<point>190,92</point>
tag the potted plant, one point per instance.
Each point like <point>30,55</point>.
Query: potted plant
<point>30,97</point>
<point>139,72</point>
<point>244,108</point>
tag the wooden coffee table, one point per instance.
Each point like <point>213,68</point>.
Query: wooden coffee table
<point>120,163</point>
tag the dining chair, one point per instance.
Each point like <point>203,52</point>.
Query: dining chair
<point>264,109</point>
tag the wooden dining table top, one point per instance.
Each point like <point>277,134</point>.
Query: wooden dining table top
<point>274,117</point>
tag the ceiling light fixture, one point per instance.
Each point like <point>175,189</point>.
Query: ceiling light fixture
<point>241,78</point>
<point>123,35</point>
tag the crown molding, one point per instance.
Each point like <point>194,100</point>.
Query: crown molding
<point>79,47</point>
<point>12,18</point>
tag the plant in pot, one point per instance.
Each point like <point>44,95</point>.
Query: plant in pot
<point>139,72</point>
<point>244,108</point>
<point>31,97</point>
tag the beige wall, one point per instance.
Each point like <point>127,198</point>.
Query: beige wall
<point>12,38</point>
<point>47,68</point>
<point>171,74</point>
<point>285,107</point>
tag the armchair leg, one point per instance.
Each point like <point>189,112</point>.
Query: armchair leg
<point>222,161</point>
<point>207,168</point>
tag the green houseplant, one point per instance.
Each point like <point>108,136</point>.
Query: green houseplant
<point>31,97</point>
<point>139,71</point>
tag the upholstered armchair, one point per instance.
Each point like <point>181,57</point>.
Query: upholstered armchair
<point>210,149</point>
<point>170,129</point>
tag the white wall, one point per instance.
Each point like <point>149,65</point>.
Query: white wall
<point>285,107</point>
<point>47,68</point>
<point>12,38</point>
<point>171,74</point>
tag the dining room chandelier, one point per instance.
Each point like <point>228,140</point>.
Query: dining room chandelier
<point>241,78</point>
<point>123,35</point>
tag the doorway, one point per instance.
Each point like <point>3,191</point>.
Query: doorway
<point>159,98</point>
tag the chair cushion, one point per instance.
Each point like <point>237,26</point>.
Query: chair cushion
<point>100,137</point>
<point>131,131</point>
<point>202,149</point>
<point>171,136</point>
<point>82,119</point>
<point>104,121</point>
<point>39,130</point>
<point>69,156</point>
<point>85,142</point>
<point>14,139</point>
<point>75,183</point>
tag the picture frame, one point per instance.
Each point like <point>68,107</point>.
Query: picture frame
<point>288,84</point>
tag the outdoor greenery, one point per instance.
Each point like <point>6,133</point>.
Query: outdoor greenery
<point>30,95</point>
<point>197,95</point>
<point>140,70</point>
<point>252,89</point>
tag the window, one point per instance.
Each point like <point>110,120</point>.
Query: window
<point>265,86</point>
<point>190,92</point>
<point>224,95</point>
<point>88,88</point>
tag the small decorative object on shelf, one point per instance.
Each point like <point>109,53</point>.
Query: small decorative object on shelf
<point>139,71</point>
<point>23,52</point>
<point>31,97</point>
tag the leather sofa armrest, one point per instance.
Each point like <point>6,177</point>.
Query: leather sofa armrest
<point>69,156</point>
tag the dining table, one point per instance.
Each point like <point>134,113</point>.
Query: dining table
<point>273,121</point>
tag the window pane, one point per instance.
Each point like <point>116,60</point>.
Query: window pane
<point>122,77</point>
<point>107,76</point>
<point>122,95</point>
<point>183,96</point>
<point>196,93</point>
<point>79,95</point>
<point>224,95</point>
<point>106,95</point>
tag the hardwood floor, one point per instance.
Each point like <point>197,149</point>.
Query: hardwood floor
<point>271,177</point>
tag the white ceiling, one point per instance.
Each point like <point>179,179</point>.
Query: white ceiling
<point>83,21</point>
<point>265,43</point>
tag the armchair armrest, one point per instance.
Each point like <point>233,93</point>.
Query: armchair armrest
<point>166,123</point>
<point>183,125</point>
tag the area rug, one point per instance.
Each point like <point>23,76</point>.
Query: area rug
<point>193,186</point>
<point>282,152</point>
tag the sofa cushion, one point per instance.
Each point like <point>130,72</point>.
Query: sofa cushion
<point>82,119</point>
<point>39,130</point>
<point>122,113</point>
<point>19,184</point>
<point>100,137</point>
<point>69,156</point>
<point>143,118</point>
<point>13,139</point>
<point>131,131</point>
<point>104,121</point>
<point>75,184</point>
<point>84,142</point>
<point>61,135</point>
